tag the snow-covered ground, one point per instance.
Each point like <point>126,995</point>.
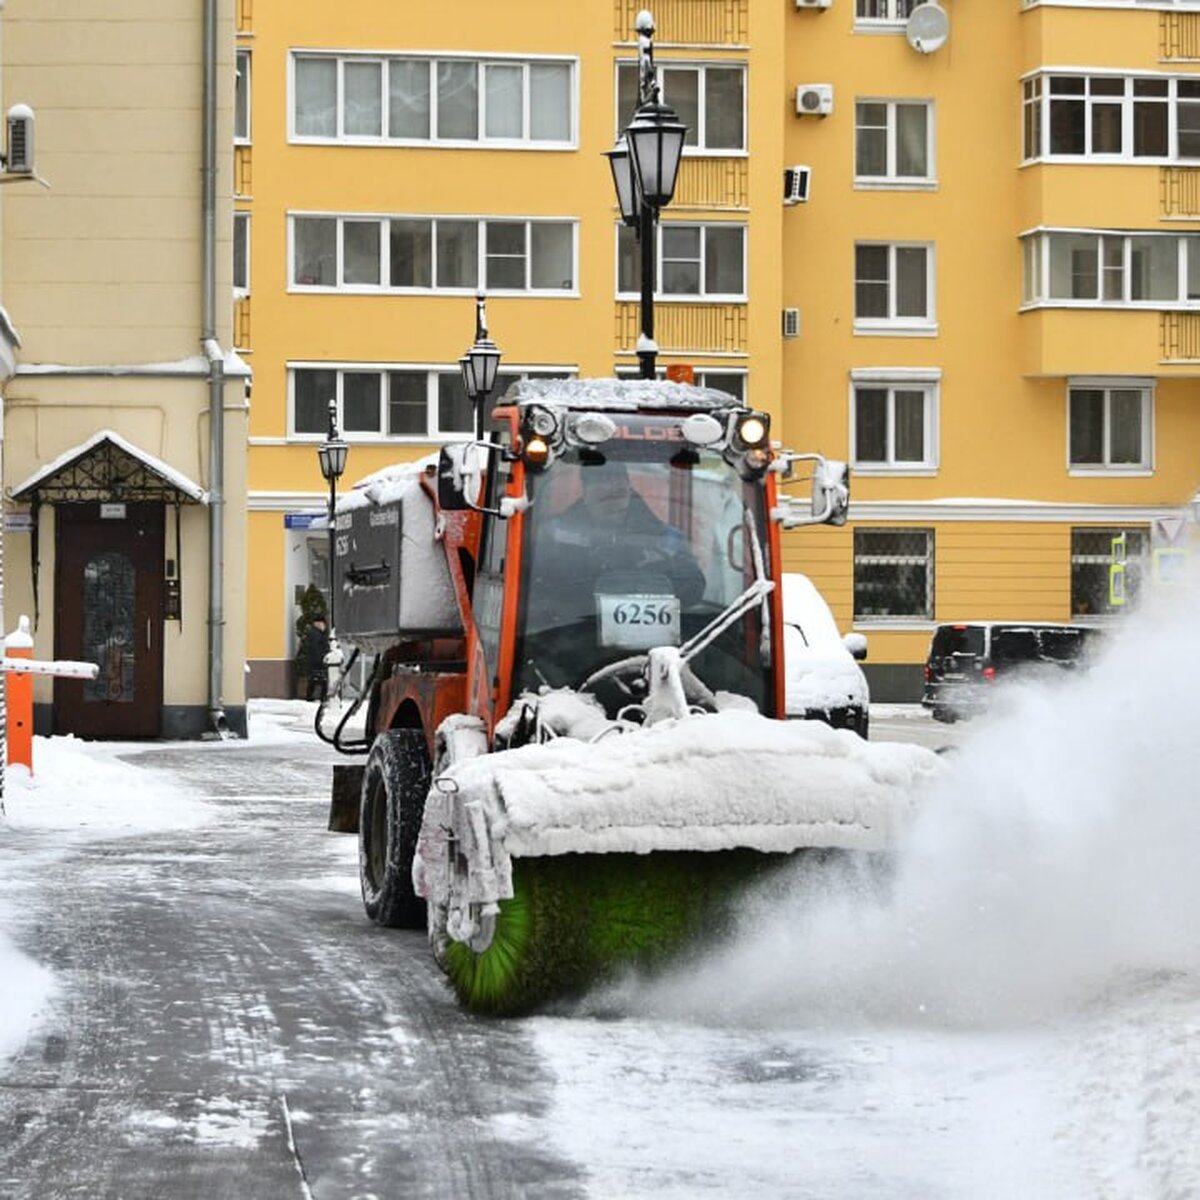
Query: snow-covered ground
<point>1016,1016</point>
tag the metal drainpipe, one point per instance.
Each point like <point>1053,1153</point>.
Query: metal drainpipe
<point>218,724</point>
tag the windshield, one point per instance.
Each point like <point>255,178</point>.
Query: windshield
<point>641,543</point>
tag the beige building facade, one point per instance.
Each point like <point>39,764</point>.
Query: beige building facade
<point>125,416</point>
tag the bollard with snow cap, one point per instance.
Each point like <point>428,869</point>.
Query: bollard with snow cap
<point>18,667</point>
<point>19,695</point>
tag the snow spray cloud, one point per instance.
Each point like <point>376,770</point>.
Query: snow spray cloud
<point>1061,851</point>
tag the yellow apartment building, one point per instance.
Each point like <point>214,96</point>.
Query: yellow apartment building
<point>125,407</point>
<point>997,278</point>
<point>958,248</point>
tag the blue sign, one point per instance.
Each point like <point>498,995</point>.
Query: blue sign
<point>300,520</point>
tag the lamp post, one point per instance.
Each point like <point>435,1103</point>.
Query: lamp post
<point>331,454</point>
<point>645,165</point>
<point>479,366</point>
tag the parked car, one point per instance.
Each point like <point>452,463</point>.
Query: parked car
<point>967,658</point>
<point>823,678</point>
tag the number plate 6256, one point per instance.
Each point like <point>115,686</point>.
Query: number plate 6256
<point>637,622</point>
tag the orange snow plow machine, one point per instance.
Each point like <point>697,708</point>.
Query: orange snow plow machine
<point>571,723</point>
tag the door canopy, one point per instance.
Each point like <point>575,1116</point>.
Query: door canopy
<point>107,468</point>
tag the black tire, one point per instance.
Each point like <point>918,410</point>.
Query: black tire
<point>395,784</point>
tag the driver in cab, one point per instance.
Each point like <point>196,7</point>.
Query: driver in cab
<point>611,531</point>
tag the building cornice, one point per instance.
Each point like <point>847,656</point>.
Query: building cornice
<point>1000,510</point>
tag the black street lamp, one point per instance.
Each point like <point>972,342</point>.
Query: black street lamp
<point>332,456</point>
<point>645,166</point>
<point>479,366</point>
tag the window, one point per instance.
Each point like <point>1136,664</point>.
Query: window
<point>436,100</point>
<point>698,261</point>
<point>893,574</point>
<point>894,420</point>
<point>709,99</point>
<point>884,12</point>
<point>1106,117</point>
<point>1109,426</point>
<point>241,253</point>
<point>893,285</point>
<point>893,141</point>
<point>433,253</point>
<point>241,98</point>
<point>1093,554</point>
<point>373,402</point>
<point>1112,269</point>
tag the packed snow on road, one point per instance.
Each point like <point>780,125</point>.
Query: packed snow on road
<point>1015,1014</point>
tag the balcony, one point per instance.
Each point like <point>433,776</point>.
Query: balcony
<point>685,328</point>
<point>1059,342</point>
<point>687,22</point>
<point>713,183</point>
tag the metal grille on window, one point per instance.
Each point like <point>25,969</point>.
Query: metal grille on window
<point>893,573</point>
<point>1092,558</point>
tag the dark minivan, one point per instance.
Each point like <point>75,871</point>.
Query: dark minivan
<point>966,658</point>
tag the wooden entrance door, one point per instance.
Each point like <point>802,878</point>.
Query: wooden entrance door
<point>108,610</point>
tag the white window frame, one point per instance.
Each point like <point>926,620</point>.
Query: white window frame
<point>905,326</point>
<point>927,381</point>
<point>1036,102</point>
<point>701,297</point>
<point>384,255</point>
<point>433,433</point>
<point>244,92</point>
<point>1109,384</point>
<point>1036,271</point>
<point>701,149</point>
<point>894,19</point>
<point>241,231</point>
<point>890,180</point>
<point>526,61</point>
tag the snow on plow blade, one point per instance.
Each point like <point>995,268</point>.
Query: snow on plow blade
<point>552,865</point>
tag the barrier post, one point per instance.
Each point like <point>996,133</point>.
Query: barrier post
<point>19,689</point>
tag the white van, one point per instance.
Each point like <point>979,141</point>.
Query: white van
<point>823,678</point>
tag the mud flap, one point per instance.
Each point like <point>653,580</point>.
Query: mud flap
<point>344,803</point>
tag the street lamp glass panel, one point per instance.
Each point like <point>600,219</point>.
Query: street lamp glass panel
<point>332,456</point>
<point>622,173</point>
<point>655,141</point>
<point>479,373</point>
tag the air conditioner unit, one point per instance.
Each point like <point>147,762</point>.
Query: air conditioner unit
<point>795,184</point>
<point>18,159</point>
<point>814,99</point>
<point>813,3</point>
<point>791,322</point>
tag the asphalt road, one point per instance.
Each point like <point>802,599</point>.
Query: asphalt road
<point>232,1027</point>
<point>911,723</point>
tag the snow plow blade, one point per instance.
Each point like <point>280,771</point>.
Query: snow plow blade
<point>551,867</point>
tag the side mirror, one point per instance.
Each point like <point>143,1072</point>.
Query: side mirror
<point>830,494</point>
<point>460,476</point>
<point>454,479</point>
<point>856,643</point>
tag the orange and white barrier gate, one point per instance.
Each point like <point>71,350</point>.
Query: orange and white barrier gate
<point>19,667</point>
